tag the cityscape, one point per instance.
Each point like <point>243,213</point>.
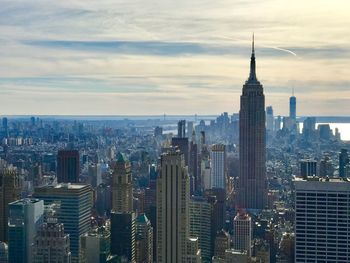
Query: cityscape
<point>250,184</point>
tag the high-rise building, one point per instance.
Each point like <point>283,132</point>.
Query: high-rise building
<point>193,167</point>
<point>252,185</point>
<point>181,129</point>
<point>94,175</point>
<point>68,166</point>
<point>25,217</point>
<point>144,240</point>
<point>308,168</point>
<point>75,202</point>
<point>190,130</point>
<point>96,245</point>
<point>183,145</point>
<point>222,242</point>
<point>322,219</point>
<point>10,191</point>
<point>173,192</point>
<point>326,166</point>
<point>51,243</point>
<point>243,231</point>
<point>293,108</point>
<point>344,163</point>
<point>278,123</point>
<point>200,225</point>
<point>309,127</point>
<point>123,233</point>
<point>218,166</point>
<point>269,119</point>
<point>122,185</point>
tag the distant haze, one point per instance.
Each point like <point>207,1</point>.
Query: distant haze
<point>175,57</point>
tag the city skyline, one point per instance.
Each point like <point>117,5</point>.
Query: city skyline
<point>115,58</point>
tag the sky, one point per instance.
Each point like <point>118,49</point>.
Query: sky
<point>141,57</point>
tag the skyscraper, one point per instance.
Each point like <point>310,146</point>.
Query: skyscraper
<point>308,168</point>
<point>173,192</point>
<point>252,185</point>
<point>75,210</point>
<point>293,107</point>
<point>123,231</point>
<point>123,219</point>
<point>269,119</point>
<point>181,129</point>
<point>243,231</point>
<point>68,167</point>
<point>218,166</point>
<point>322,219</point>
<point>200,225</point>
<point>122,185</point>
<point>25,217</point>
<point>343,163</point>
<point>10,191</point>
<point>144,240</point>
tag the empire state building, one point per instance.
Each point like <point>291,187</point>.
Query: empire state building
<point>252,184</point>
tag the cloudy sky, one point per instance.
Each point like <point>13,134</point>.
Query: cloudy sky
<point>175,57</point>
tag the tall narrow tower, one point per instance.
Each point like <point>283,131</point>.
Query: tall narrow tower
<point>293,107</point>
<point>252,188</point>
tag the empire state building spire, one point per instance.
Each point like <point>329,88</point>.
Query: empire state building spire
<point>252,75</point>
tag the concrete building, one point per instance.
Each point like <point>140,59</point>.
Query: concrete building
<point>122,186</point>
<point>200,225</point>
<point>10,191</point>
<point>51,243</point>
<point>218,166</point>
<point>322,219</point>
<point>75,202</point>
<point>243,231</point>
<point>252,184</point>
<point>25,217</point>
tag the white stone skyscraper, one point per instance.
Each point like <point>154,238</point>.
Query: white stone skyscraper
<point>252,183</point>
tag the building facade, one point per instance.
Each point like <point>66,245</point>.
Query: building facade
<point>218,166</point>
<point>322,219</point>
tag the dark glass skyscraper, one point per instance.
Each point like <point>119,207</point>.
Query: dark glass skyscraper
<point>252,185</point>
<point>293,107</point>
<point>68,167</point>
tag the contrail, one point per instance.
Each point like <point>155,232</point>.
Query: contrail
<point>276,48</point>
